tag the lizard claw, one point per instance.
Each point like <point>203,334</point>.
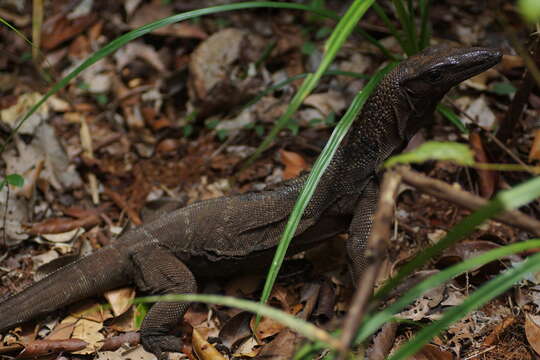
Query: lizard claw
<point>159,345</point>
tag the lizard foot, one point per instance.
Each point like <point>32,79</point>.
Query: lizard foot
<point>159,345</point>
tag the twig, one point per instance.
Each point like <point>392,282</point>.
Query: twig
<point>520,100</point>
<point>444,191</point>
<point>122,203</point>
<point>374,255</point>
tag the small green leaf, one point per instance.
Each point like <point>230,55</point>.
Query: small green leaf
<point>435,150</point>
<point>26,56</point>
<point>529,9</point>
<point>308,48</point>
<point>140,312</point>
<point>330,119</point>
<point>503,88</point>
<point>15,180</point>
<point>222,134</point>
<point>323,32</point>
<point>315,121</point>
<point>212,123</point>
<point>101,99</point>
<point>259,130</point>
<point>83,86</point>
<point>188,130</point>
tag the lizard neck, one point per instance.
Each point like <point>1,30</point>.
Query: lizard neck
<point>383,128</point>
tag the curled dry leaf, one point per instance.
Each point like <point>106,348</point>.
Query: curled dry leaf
<point>488,178</point>
<point>294,164</point>
<point>62,225</point>
<point>59,29</point>
<point>532,331</point>
<point>120,300</point>
<point>13,114</point>
<point>432,352</point>
<point>157,10</point>
<point>112,343</point>
<point>383,342</point>
<point>236,329</point>
<point>469,249</point>
<point>534,153</point>
<point>267,327</point>
<point>38,348</point>
<point>203,349</point>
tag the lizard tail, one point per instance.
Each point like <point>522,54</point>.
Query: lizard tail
<point>92,275</point>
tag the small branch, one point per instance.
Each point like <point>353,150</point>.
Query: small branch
<point>444,191</point>
<point>375,250</point>
<point>521,98</point>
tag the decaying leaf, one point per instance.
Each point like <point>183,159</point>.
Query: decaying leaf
<point>203,349</point>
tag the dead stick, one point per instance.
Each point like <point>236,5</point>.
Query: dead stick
<point>375,250</point>
<point>444,191</point>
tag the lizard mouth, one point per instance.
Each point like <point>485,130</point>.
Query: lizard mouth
<point>483,60</point>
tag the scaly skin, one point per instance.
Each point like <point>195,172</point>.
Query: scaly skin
<point>235,233</point>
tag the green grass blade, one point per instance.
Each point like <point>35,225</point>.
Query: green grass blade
<point>424,24</point>
<point>390,25</point>
<point>332,46</point>
<point>318,168</point>
<point>435,150</point>
<point>124,39</point>
<point>404,19</point>
<point>452,117</point>
<point>16,31</point>
<point>415,40</point>
<point>287,81</point>
<point>374,322</point>
<point>302,327</point>
<point>505,200</point>
<point>487,292</point>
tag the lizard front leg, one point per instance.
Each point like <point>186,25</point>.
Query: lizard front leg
<point>159,272</point>
<point>360,228</point>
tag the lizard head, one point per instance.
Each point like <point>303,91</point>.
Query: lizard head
<point>435,70</point>
<point>427,76</point>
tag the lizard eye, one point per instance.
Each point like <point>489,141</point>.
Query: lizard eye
<point>434,75</point>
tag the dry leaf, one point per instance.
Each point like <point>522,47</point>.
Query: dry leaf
<point>203,349</point>
<point>534,153</point>
<point>294,164</point>
<point>532,331</point>
<point>120,300</point>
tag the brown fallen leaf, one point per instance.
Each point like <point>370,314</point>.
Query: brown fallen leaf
<point>155,11</point>
<point>47,347</point>
<point>534,153</point>
<point>487,178</point>
<point>266,328</point>
<point>236,329</point>
<point>432,352</point>
<point>62,225</point>
<point>532,331</point>
<point>203,349</point>
<point>294,164</point>
<point>61,29</point>
<point>383,342</point>
<point>112,343</point>
<point>493,337</point>
<point>120,300</point>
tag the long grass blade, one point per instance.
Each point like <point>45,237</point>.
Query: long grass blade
<point>304,328</point>
<point>318,168</point>
<point>333,44</point>
<point>504,200</point>
<point>374,322</point>
<point>492,289</point>
<point>424,24</point>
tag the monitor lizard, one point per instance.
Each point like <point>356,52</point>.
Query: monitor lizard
<point>229,234</point>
